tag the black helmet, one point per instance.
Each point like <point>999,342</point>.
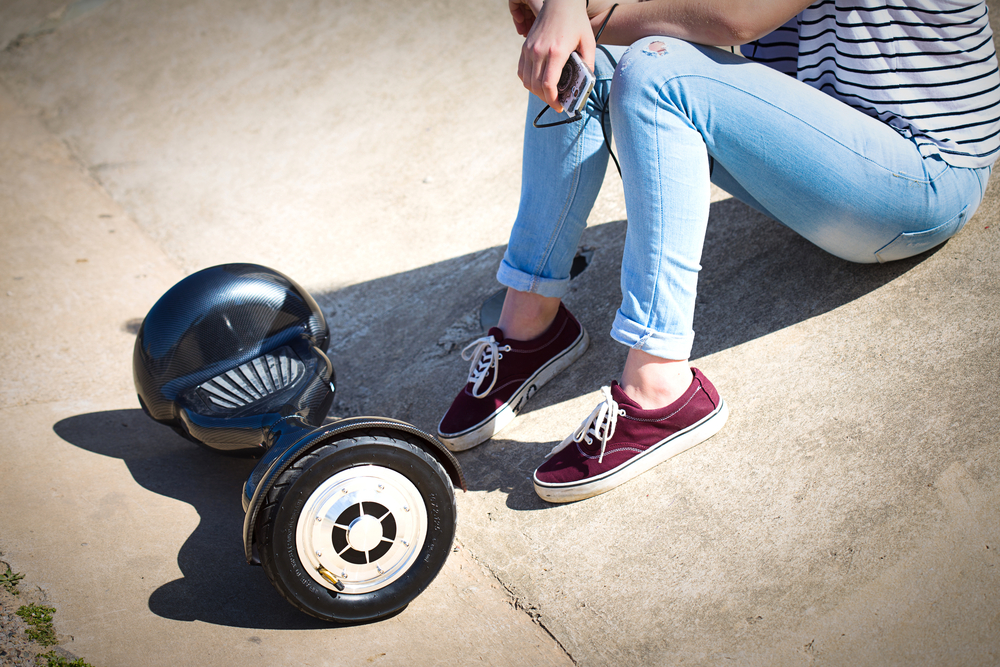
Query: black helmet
<point>230,351</point>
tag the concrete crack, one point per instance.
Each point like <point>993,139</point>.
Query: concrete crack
<point>533,611</point>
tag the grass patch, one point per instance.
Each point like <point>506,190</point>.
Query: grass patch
<point>40,629</point>
<point>10,579</point>
<point>39,617</point>
<point>52,659</point>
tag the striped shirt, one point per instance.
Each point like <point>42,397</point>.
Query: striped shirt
<point>927,68</point>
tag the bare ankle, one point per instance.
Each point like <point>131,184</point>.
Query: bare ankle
<point>526,316</point>
<point>654,382</point>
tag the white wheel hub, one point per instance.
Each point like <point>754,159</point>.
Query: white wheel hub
<point>361,528</point>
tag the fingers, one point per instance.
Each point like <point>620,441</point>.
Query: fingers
<point>523,15</point>
<point>540,71</point>
<point>560,27</point>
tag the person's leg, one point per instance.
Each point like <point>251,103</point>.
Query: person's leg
<point>562,171</point>
<point>536,338</point>
<point>653,381</point>
<point>527,315</point>
<point>847,182</point>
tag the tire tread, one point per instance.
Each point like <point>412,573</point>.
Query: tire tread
<point>267,517</point>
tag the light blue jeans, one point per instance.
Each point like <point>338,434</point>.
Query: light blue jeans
<point>684,115</point>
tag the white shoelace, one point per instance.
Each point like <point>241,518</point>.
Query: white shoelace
<point>600,424</point>
<point>485,354</point>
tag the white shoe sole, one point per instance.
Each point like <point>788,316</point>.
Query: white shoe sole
<point>486,429</point>
<point>666,449</point>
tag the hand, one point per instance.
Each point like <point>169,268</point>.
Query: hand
<point>558,28</point>
<point>524,12</point>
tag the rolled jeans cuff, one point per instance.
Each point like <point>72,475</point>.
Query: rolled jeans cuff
<point>508,276</point>
<point>665,346</point>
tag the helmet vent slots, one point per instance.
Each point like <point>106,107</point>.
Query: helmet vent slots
<point>254,380</point>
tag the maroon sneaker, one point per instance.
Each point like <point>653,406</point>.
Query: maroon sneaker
<point>620,440</point>
<point>504,375</point>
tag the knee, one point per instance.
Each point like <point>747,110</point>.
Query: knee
<point>660,68</point>
<point>651,60</point>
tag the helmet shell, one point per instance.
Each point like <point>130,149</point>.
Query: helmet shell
<point>228,352</point>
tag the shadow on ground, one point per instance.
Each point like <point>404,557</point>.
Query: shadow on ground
<point>218,587</point>
<point>397,340</point>
<point>396,346</point>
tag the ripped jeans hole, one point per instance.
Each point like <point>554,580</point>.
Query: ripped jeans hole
<point>656,49</point>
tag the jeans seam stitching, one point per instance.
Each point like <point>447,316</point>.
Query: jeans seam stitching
<point>567,205</point>
<point>659,213</point>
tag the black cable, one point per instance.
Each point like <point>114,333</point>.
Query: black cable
<point>604,110</point>
<point>564,121</point>
<point>604,23</point>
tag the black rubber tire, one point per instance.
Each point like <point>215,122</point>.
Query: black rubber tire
<point>276,525</point>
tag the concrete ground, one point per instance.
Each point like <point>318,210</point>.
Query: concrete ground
<point>847,515</point>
